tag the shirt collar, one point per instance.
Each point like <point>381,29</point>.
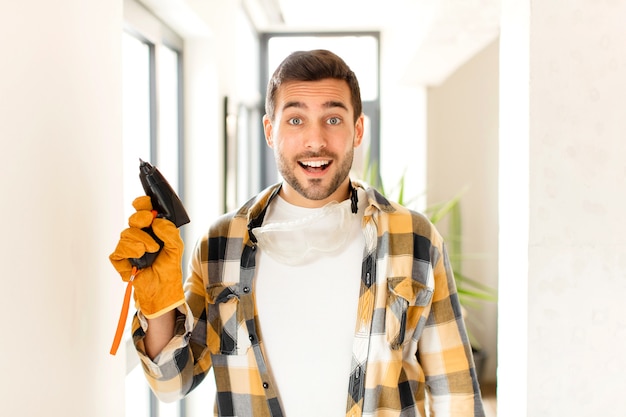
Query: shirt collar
<point>256,208</point>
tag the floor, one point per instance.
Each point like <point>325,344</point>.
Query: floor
<point>489,399</point>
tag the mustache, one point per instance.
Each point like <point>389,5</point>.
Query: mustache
<point>311,155</point>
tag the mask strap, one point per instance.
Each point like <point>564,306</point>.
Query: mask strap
<point>354,198</point>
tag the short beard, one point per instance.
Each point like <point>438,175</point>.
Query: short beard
<point>313,190</point>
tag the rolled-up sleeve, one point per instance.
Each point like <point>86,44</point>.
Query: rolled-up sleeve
<point>184,361</point>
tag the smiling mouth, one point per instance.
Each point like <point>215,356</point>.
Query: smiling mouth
<point>315,166</point>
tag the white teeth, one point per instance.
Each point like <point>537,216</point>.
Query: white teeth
<point>315,164</point>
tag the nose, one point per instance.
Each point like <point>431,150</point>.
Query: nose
<point>315,138</point>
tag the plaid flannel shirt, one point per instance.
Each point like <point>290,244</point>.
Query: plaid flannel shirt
<point>410,350</point>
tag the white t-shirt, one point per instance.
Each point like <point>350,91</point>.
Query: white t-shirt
<point>307,317</point>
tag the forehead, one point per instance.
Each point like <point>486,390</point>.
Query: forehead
<point>313,93</point>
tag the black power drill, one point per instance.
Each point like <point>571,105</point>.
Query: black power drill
<point>166,204</point>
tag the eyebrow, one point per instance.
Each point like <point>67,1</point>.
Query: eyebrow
<point>328,105</point>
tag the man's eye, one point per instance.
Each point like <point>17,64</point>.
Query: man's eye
<point>334,121</point>
<point>295,121</point>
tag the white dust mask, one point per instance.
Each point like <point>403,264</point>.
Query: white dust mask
<point>293,242</point>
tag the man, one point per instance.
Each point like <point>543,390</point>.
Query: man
<point>318,297</point>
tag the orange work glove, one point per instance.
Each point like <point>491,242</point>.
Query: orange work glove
<point>158,287</point>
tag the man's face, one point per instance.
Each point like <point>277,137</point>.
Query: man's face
<point>313,136</point>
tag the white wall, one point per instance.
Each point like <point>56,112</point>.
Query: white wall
<point>224,63</point>
<point>60,174</point>
<point>567,115</point>
<point>402,121</point>
<point>463,158</point>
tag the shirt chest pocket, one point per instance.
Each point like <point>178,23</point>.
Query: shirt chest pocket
<point>226,321</point>
<point>407,301</point>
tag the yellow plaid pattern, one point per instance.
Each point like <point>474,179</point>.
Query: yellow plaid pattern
<point>410,343</point>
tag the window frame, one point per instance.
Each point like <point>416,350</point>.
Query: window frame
<point>143,25</point>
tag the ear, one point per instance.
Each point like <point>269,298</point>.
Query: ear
<point>359,130</point>
<point>267,128</point>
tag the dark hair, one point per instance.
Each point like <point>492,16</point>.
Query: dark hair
<point>313,65</point>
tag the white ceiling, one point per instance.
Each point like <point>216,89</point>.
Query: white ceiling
<point>429,38</point>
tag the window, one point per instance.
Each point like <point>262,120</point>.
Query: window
<point>136,132</point>
<point>152,131</point>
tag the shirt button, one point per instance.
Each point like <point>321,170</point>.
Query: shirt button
<point>246,289</point>
<point>266,385</point>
